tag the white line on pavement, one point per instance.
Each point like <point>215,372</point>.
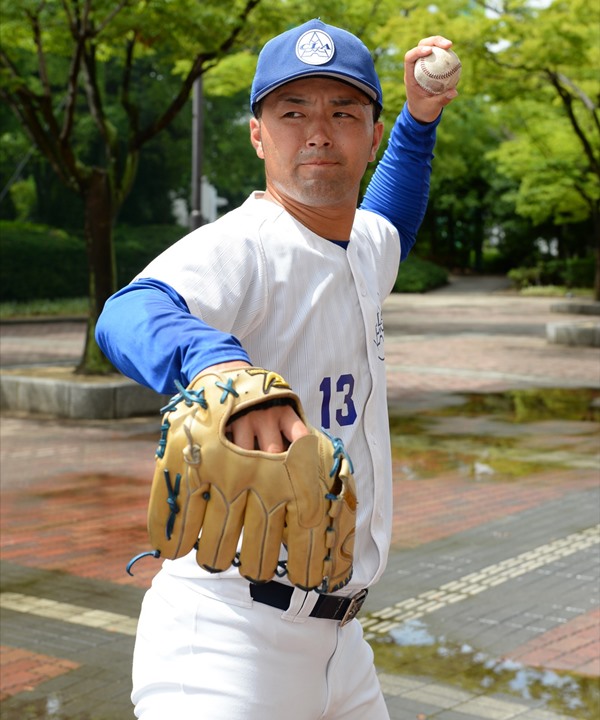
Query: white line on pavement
<point>382,621</point>
<point>66,612</point>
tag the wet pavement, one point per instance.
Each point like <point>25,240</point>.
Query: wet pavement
<point>490,606</point>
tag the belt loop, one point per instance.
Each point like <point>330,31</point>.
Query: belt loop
<point>301,604</point>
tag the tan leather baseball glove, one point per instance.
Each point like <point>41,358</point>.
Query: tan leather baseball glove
<point>206,490</point>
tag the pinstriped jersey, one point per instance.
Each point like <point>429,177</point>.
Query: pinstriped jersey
<point>312,311</point>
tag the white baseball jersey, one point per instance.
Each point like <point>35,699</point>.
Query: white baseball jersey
<point>312,311</point>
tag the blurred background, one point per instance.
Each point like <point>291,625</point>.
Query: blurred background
<point>126,124</point>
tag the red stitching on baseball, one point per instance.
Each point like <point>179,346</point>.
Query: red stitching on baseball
<point>438,77</point>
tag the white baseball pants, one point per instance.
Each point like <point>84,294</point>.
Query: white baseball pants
<point>206,651</point>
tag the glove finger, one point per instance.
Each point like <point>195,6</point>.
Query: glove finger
<point>341,531</point>
<point>303,468</point>
<point>175,513</point>
<point>221,530</point>
<point>307,519</point>
<point>306,557</point>
<point>261,542</point>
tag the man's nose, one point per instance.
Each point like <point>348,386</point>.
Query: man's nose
<point>318,135</point>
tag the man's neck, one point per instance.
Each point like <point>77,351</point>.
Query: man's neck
<point>332,223</point>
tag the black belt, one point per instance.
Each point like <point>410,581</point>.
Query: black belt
<point>331,607</point>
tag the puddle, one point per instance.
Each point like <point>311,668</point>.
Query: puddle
<point>500,436</point>
<point>490,438</point>
<point>532,405</point>
<point>52,707</point>
<point>413,650</point>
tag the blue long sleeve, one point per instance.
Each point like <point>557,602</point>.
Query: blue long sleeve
<point>399,188</point>
<point>148,333</point>
<point>146,329</point>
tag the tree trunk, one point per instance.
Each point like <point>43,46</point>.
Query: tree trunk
<point>596,231</point>
<point>478,242</point>
<point>99,217</point>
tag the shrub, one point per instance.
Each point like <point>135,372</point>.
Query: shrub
<point>579,272</point>
<point>418,276</point>
<point>524,277</point>
<point>41,262</point>
<point>571,273</point>
<point>136,246</point>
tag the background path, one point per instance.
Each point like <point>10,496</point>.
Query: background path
<point>496,575</point>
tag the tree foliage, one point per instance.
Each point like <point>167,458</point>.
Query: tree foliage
<point>547,86</point>
<point>95,83</point>
<point>78,76</point>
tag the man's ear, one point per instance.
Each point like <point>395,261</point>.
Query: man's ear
<point>377,138</point>
<point>256,137</point>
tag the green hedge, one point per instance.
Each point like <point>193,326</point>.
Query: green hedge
<point>571,273</point>
<point>136,246</point>
<point>417,276</point>
<point>39,262</point>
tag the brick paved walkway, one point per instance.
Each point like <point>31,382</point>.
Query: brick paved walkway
<point>504,565</point>
<point>566,646</point>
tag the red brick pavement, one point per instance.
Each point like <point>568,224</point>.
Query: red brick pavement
<point>460,343</point>
<point>74,495</point>
<point>85,525</point>
<point>492,365</point>
<point>574,647</point>
<point>23,670</point>
<point>90,523</point>
<point>437,508</point>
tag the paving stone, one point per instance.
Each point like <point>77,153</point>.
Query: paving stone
<point>58,494</point>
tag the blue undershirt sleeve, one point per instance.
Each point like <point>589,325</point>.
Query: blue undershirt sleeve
<point>148,333</point>
<point>399,188</point>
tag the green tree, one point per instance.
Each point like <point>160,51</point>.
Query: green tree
<point>459,205</point>
<point>241,172</point>
<point>543,75</point>
<point>71,72</point>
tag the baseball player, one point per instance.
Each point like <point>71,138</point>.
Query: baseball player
<point>292,281</point>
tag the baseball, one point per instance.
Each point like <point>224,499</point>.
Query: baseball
<point>438,72</point>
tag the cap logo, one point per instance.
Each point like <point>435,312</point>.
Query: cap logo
<point>315,47</point>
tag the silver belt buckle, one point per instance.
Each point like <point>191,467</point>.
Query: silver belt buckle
<point>356,602</point>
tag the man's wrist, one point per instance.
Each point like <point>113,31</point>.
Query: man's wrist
<point>424,122</point>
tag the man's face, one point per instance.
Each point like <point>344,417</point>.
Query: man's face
<point>316,136</point>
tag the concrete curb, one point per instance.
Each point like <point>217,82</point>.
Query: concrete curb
<point>581,334</point>
<point>584,333</point>
<point>577,307</point>
<point>106,400</point>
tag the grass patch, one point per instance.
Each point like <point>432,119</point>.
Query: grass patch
<point>556,291</point>
<point>27,309</point>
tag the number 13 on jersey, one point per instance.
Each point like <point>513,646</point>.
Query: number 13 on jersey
<point>337,399</point>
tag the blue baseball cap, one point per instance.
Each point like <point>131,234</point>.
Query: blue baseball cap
<point>315,50</point>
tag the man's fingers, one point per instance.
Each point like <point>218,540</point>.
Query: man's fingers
<point>424,48</point>
<point>438,40</point>
<point>242,433</point>
<point>268,432</point>
<point>292,426</point>
<point>271,430</point>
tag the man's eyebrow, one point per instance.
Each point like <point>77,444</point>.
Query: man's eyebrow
<point>338,102</point>
<point>292,99</point>
<point>348,101</point>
